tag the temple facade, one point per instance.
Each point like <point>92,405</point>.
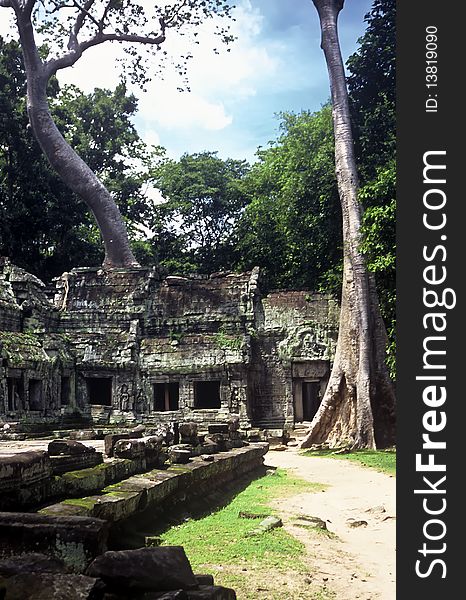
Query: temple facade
<point>131,345</point>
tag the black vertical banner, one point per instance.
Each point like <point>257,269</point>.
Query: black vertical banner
<point>431,235</point>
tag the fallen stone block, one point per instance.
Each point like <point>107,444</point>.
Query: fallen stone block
<point>110,441</point>
<point>130,448</point>
<point>25,479</point>
<point>179,456</point>
<point>68,448</point>
<point>267,524</point>
<point>75,540</point>
<point>153,443</point>
<point>218,439</point>
<point>24,468</point>
<point>188,430</point>
<point>30,563</point>
<point>158,569</point>
<point>137,432</point>
<point>52,586</point>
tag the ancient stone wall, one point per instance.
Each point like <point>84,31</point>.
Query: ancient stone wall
<point>129,345</point>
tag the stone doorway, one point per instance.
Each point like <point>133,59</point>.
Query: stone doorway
<point>306,399</point>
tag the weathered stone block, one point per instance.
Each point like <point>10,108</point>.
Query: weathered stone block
<point>64,464</point>
<point>117,505</point>
<point>68,448</point>
<point>130,448</point>
<point>30,563</point>
<point>75,540</point>
<point>25,479</point>
<point>110,441</point>
<point>218,439</point>
<point>178,456</point>
<point>188,432</point>
<point>52,586</point>
<point>23,469</point>
<point>159,569</point>
<point>137,432</point>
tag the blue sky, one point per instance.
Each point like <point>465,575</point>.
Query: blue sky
<point>275,65</point>
<point>280,42</point>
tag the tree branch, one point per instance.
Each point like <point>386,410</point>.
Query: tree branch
<point>77,49</point>
<point>83,14</point>
<point>6,3</point>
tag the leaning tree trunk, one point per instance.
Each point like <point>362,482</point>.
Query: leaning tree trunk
<point>358,405</point>
<point>70,167</point>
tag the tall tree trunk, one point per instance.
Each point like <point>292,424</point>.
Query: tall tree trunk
<point>358,405</point>
<point>66,162</point>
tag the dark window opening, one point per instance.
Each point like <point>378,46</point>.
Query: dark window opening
<point>311,399</point>
<point>35,394</point>
<point>166,396</point>
<point>207,394</point>
<point>15,393</point>
<point>99,391</point>
<point>65,393</point>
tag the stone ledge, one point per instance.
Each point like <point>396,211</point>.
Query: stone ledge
<point>126,498</point>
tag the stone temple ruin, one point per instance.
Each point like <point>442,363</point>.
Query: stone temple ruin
<point>129,346</point>
<point>126,396</point>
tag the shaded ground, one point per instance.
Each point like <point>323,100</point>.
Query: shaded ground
<point>358,562</point>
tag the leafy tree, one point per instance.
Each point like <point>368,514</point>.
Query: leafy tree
<point>42,226</point>
<point>290,227</point>
<point>372,90</point>
<point>204,197</point>
<point>358,405</point>
<point>69,30</point>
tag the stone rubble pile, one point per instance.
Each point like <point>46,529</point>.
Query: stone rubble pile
<point>161,573</point>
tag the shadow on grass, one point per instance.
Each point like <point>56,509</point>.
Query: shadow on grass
<point>155,521</point>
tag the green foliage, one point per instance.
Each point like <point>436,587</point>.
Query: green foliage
<point>372,97</point>
<point>43,227</point>
<point>228,342</point>
<point>204,197</point>
<point>292,225</point>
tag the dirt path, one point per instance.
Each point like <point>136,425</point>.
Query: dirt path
<point>359,563</point>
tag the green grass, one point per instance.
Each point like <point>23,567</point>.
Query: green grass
<point>224,534</point>
<point>380,460</point>
<point>219,543</point>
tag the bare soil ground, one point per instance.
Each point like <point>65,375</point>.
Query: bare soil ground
<point>356,562</point>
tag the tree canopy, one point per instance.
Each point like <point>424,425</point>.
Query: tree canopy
<point>291,224</point>
<point>204,198</point>
<point>54,35</point>
<point>43,227</point>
